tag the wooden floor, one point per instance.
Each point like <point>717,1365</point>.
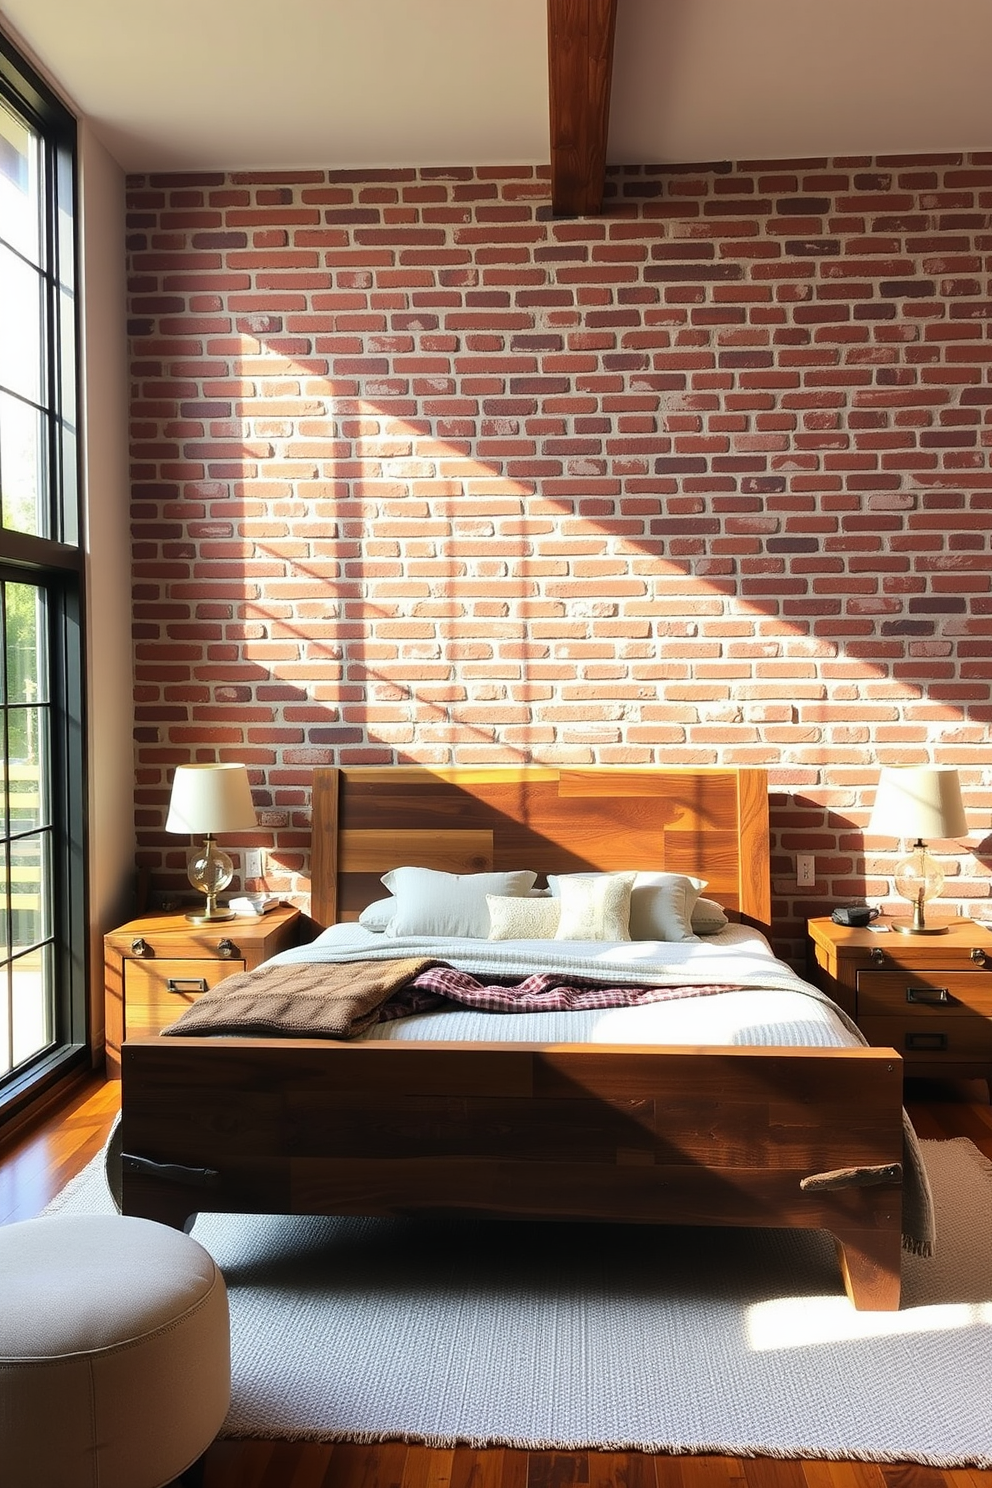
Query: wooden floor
<point>37,1163</point>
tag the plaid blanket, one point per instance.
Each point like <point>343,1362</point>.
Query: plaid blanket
<point>542,992</point>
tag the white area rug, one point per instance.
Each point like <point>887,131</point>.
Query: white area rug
<point>616,1337</point>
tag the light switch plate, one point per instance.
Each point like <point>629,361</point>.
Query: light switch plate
<point>253,862</point>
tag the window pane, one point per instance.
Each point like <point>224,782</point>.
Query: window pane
<point>66,227</point>
<point>32,1002</point>
<point>20,317</point>
<point>28,770</point>
<point>27,671</point>
<point>30,890</point>
<point>4,924</point>
<point>20,199</point>
<point>23,494</point>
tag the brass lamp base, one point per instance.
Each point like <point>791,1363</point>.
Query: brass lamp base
<point>906,927</point>
<point>211,911</point>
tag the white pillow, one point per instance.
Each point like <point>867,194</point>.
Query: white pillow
<point>661,906</point>
<point>523,919</point>
<point>594,906</point>
<point>378,915</point>
<point>708,917</point>
<point>429,902</point>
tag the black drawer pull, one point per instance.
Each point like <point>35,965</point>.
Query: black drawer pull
<point>186,984</point>
<point>926,1041</point>
<point>930,995</point>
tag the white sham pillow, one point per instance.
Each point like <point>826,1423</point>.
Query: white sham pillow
<point>428,902</point>
<point>661,906</point>
<point>594,906</point>
<point>709,918</point>
<point>523,919</point>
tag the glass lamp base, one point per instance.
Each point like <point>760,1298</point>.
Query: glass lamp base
<point>210,870</point>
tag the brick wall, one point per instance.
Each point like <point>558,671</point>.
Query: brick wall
<point>420,473</point>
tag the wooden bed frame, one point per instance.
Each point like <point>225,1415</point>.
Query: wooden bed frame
<point>800,1138</point>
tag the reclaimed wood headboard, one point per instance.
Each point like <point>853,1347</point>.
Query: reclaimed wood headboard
<point>710,822</point>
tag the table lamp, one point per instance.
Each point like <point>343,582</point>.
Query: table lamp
<point>207,799</point>
<point>918,801</point>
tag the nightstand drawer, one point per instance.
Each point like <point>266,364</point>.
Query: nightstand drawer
<point>158,992</point>
<point>953,994</point>
<point>931,1038</point>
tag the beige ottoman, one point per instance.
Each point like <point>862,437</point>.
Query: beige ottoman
<point>115,1364</point>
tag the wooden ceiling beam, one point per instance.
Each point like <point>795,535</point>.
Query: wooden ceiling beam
<point>580,72</point>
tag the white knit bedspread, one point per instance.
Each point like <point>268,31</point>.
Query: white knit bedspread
<point>771,1005</point>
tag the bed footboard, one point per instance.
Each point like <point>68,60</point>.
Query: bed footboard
<point>796,1138</point>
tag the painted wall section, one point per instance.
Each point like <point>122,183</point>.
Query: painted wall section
<point>419,473</point>
<point>110,715</point>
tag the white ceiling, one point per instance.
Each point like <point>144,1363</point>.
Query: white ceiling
<point>236,84</point>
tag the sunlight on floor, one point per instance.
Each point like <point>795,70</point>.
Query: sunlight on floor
<point>803,1322</point>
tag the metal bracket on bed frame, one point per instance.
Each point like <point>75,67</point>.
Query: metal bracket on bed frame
<point>852,1178</point>
<point>170,1172</point>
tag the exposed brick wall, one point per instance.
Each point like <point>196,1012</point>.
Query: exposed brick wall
<point>421,473</point>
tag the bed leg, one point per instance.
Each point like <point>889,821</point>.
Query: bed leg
<point>870,1263</point>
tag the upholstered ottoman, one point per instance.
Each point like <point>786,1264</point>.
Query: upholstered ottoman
<point>115,1365</point>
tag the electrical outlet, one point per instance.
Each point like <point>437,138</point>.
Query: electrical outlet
<point>805,870</point>
<point>253,862</point>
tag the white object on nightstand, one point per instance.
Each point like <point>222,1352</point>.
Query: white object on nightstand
<point>253,904</point>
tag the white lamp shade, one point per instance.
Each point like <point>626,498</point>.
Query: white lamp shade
<point>211,798</point>
<point>918,801</point>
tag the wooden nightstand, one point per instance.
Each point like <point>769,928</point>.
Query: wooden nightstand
<point>928,996</point>
<point>157,965</point>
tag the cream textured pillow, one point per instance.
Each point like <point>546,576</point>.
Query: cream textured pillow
<point>594,906</point>
<point>429,902</point>
<point>661,906</point>
<point>523,919</point>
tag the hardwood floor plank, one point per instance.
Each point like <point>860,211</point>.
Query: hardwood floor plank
<point>855,1474</point>
<point>911,1475</point>
<point>516,1465</point>
<point>238,1464</point>
<point>556,1470</point>
<point>429,1467</point>
<point>707,1471</point>
<point>640,1470</point>
<point>773,1472</point>
<point>622,1469</point>
<point>366,1465</point>
<point>668,1472</point>
<point>816,1474</point>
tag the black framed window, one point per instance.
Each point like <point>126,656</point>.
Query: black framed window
<point>42,908</point>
